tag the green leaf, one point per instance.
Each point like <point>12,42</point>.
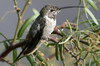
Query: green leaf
<point>82,22</point>
<point>51,44</point>
<point>61,51</point>
<point>4,37</point>
<point>14,54</point>
<point>27,23</point>
<point>41,58</point>
<point>92,16</point>
<point>35,11</point>
<point>63,33</point>
<point>66,40</point>
<point>57,51</point>
<point>31,60</point>
<point>96,59</point>
<point>92,4</point>
<point>5,44</point>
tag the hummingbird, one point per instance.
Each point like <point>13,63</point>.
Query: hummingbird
<point>41,28</point>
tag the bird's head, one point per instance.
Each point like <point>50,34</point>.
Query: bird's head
<point>50,11</point>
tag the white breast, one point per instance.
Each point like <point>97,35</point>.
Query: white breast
<point>49,26</point>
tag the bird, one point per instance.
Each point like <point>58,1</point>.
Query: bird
<point>41,29</point>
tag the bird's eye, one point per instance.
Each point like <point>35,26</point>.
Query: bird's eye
<point>51,10</point>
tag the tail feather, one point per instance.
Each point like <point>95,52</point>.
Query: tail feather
<point>28,48</point>
<point>25,47</point>
<point>32,47</point>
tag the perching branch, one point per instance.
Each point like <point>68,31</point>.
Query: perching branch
<point>12,47</point>
<point>6,52</point>
<point>56,31</point>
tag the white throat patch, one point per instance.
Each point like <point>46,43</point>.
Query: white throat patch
<point>49,19</point>
<point>49,26</point>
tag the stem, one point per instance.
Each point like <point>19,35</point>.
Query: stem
<point>20,15</point>
<point>17,28</point>
<point>78,15</point>
<point>25,7</point>
<point>19,21</point>
<point>5,38</point>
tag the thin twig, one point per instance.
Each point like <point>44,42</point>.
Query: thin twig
<point>71,53</point>
<point>19,20</point>
<point>8,62</point>
<point>25,7</point>
<point>5,38</point>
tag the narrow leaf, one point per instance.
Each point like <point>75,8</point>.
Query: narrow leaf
<point>92,16</point>
<point>14,54</point>
<point>27,23</point>
<point>92,4</point>
<point>57,51</point>
<point>5,44</point>
<point>31,60</point>
<point>41,58</point>
<point>61,51</point>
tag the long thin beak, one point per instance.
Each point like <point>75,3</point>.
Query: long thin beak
<point>71,7</point>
